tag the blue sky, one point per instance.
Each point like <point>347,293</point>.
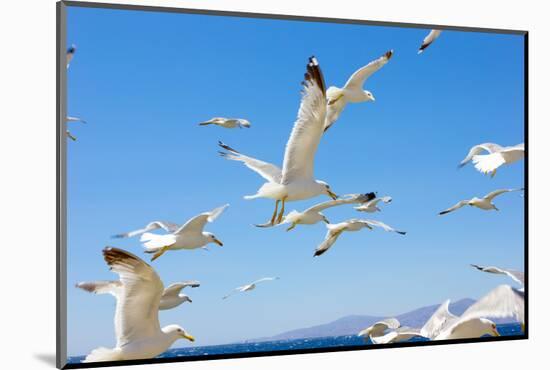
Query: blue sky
<point>144,80</point>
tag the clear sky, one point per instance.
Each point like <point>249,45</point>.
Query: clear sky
<point>144,80</point>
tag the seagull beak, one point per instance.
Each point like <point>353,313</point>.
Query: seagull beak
<point>218,242</point>
<point>331,194</point>
<point>189,337</point>
<point>496,333</point>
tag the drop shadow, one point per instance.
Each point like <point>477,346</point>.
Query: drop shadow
<point>46,358</point>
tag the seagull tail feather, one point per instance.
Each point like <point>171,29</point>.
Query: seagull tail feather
<point>104,354</point>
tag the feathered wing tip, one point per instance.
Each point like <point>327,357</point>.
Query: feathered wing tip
<point>388,54</point>
<point>103,354</point>
<point>227,147</point>
<point>314,74</point>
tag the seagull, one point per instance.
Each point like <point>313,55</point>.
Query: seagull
<point>371,205</point>
<point>428,40</point>
<point>498,155</point>
<point>295,181</point>
<point>170,298</point>
<point>313,214</point>
<point>352,92</point>
<point>517,276</point>
<point>188,236</point>
<point>70,54</point>
<point>334,231</point>
<point>137,328</point>
<point>73,119</point>
<point>227,122</point>
<point>485,203</point>
<point>379,328</point>
<point>249,287</point>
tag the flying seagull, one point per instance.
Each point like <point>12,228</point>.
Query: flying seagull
<point>517,276</point>
<point>352,92</point>
<point>73,119</point>
<point>137,328</point>
<point>313,214</point>
<point>249,287</point>
<point>498,156</point>
<point>485,203</point>
<point>295,181</point>
<point>188,236</point>
<point>334,231</point>
<point>379,328</point>
<point>170,298</point>
<point>428,40</point>
<point>70,54</point>
<point>371,205</point>
<point>227,122</point>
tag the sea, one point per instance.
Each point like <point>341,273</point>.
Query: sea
<point>289,344</point>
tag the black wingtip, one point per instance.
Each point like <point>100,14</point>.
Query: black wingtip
<point>389,54</point>
<point>402,232</point>
<point>314,74</point>
<point>370,196</point>
<point>227,147</point>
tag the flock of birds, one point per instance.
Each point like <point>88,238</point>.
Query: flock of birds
<point>140,293</point>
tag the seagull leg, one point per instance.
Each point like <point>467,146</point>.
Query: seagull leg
<point>280,218</point>
<point>493,173</point>
<point>160,252</point>
<point>275,212</point>
<point>291,226</point>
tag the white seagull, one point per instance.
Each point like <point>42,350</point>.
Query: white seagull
<point>188,236</point>
<point>428,40</point>
<point>371,205</point>
<point>70,54</point>
<point>352,92</point>
<point>170,298</point>
<point>227,122</point>
<point>313,214</point>
<point>137,328</point>
<point>498,156</point>
<point>334,231</point>
<point>485,203</point>
<point>295,181</point>
<point>379,328</point>
<point>249,287</point>
<point>517,276</point>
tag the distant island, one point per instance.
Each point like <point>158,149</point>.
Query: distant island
<point>352,324</point>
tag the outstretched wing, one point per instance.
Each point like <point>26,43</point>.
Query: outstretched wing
<point>503,301</point>
<point>101,287</point>
<point>384,226</point>
<point>358,78</point>
<point>308,128</point>
<point>136,315</point>
<point>442,318</point>
<point>268,171</point>
<point>196,224</point>
<point>265,279</point>
<point>165,225</point>
<point>495,193</point>
<point>330,239</point>
<point>460,204</point>
<point>477,149</point>
<point>428,40</point>
<point>350,199</point>
<point>175,288</point>
<point>517,276</point>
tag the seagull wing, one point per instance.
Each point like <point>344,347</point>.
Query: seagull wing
<point>137,306</point>
<point>101,287</point>
<point>503,301</point>
<point>383,226</point>
<point>428,40</point>
<point>264,279</point>
<point>460,204</point>
<point>359,77</point>
<point>442,318</point>
<point>330,238</point>
<point>398,335</point>
<point>517,276</point>
<point>75,119</point>
<point>175,288</point>
<point>196,224</point>
<point>268,171</point>
<point>308,128</point>
<point>165,225</point>
<point>354,198</point>
<point>477,149</point>
<point>495,193</point>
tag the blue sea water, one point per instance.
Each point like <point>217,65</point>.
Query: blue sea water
<point>290,344</point>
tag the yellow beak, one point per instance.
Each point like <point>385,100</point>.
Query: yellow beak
<point>496,333</point>
<point>189,337</point>
<point>218,242</point>
<point>332,195</point>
